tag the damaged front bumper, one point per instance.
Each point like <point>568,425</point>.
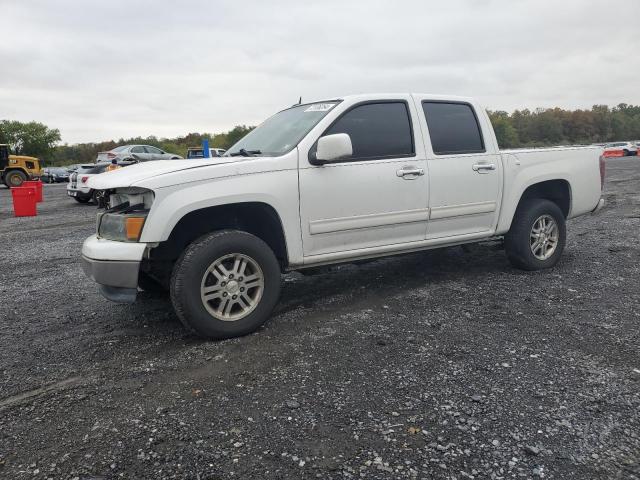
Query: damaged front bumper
<point>114,266</point>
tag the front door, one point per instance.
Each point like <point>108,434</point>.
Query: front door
<point>465,170</point>
<point>154,153</point>
<point>379,195</point>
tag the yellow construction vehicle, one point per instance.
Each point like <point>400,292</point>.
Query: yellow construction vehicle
<point>15,169</point>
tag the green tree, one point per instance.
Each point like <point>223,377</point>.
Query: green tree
<point>33,138</point>
<point>506,134</point>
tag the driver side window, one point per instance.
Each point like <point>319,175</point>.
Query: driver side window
<point>377,130</point>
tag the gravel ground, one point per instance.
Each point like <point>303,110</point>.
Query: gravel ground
<point>445,364</point>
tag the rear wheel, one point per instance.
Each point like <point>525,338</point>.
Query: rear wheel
<point>225,284</point>
<point>14,178</point>
<point>537,236</point>
<point>99,198</point>
<point>625,152</point>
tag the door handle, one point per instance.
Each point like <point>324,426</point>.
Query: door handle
<point>410,173</point>
<point>483,167</point>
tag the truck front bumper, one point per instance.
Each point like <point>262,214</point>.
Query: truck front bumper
<point>114,266</point>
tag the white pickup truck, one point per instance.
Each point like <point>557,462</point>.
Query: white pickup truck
<point>327,182</point>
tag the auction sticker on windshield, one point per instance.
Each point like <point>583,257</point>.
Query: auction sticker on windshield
<point>320,107</point>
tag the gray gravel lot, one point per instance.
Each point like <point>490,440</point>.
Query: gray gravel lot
<point>445,364</point>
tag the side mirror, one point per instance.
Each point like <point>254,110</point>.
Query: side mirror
<point>333,147</point>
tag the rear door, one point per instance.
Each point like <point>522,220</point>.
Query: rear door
<point>465,168</point>
<point>139,153</point>
<point>378,196</point>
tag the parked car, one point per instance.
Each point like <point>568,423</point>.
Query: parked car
<point>78,187</point>
<point>627,148</point>
<point>197,152</point>
<point>323,183</point>
<point>54,175</point>
<point>141,153</point>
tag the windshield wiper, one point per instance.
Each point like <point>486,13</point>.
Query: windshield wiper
<point>245,153</point>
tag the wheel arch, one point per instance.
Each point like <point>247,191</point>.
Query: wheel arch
<point>557,190</point>
<point>255,217</point>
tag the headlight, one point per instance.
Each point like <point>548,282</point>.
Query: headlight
<point>121,227</point>
<point>123,222</point>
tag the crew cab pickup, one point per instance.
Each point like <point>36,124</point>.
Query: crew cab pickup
<point>321,183</point>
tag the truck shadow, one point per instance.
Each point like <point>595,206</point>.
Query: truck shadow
<point>371,283</point>
<point>386,277</point>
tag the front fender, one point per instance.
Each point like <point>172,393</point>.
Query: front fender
<point>278,189</point>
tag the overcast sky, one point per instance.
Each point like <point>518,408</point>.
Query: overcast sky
<point>100,70</point>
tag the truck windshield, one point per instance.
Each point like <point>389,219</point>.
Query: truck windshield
<point>282,132</point>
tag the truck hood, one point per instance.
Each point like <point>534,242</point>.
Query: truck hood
<point>128,176</point>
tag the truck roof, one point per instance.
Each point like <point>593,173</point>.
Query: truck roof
<point>369,96</point>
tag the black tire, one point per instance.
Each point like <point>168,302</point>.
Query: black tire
<point>189,270</point>
<point>82,199</point>
<point>98,197</point>
<point>14,178</point>
<point>626,152</point>
<point>517,241</point>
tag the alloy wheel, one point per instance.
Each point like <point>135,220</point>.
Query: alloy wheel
<point>544,237</point>
<point>232,287</point>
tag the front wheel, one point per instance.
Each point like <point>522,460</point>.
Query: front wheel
<point>225,284</point>
<point>537,236</point>
<point>14,178</point>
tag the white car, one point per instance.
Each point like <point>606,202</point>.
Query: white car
<point>328,182</point>
<point>628,148</point>
<point>78,187</point>
<point>196,152</point>
<point>139,153</point>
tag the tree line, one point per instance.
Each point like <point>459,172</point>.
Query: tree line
<point>87,152</point>
<point>37,140</point>
<point>521,128</point>
<point>555,126</point>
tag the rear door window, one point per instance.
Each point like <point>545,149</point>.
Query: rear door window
<point>377,130</point>
<point>453,128</point>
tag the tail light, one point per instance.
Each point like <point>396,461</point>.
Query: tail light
<point>602,171</point>
<point>84,179</point>
<point>111,155</point>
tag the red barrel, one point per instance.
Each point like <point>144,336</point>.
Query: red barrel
<point>613,153</point>
<point>38,186</point>
<point>24,201</point>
